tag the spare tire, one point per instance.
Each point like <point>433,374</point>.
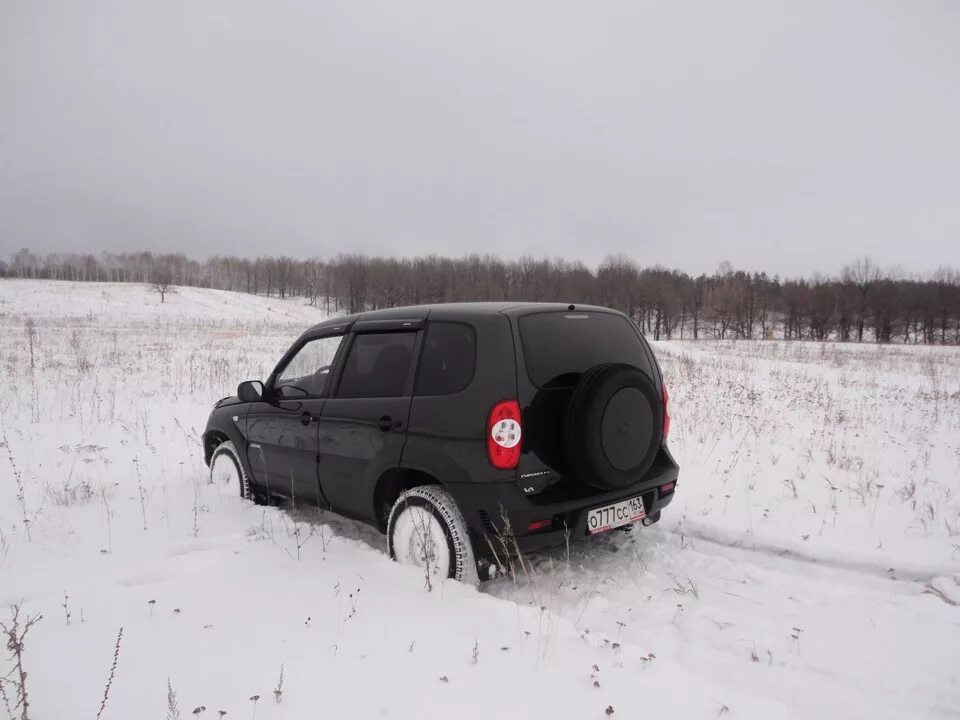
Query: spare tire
<point>613,426</point>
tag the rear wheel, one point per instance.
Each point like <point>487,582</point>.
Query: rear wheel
<point>426,530</point>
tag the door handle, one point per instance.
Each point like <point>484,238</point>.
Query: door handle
<point>307,418</point>
<point>385,423</point>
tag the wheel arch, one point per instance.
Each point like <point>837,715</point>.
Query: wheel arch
<point>391,483</point>
<point>212,438</point>
<point>220,429</point>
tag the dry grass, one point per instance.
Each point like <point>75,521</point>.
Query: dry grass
<point>835,426</point>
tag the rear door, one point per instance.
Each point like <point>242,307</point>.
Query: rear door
<point>282,428</point>
<point>555,348</point>
<point>363,424</point>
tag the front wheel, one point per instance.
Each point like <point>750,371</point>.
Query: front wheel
<point>227,473</point>
<point>426,529</point>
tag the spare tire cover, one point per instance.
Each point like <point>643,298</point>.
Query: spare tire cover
<point>613,426</point>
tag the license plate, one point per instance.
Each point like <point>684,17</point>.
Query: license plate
<point>612,516</point>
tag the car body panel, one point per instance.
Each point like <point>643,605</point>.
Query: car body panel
<point>359,440</point>
<point>282,447</point>
<point>447,433</point>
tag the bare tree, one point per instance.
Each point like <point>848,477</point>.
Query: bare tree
<point>163,283</point>
<point>863,275</point>
<point>663,302</point>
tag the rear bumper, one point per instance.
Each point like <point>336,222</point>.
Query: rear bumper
<point>497,511</point>
<point>652,504</point>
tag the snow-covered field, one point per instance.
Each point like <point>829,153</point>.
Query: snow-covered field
<point>809,566</point>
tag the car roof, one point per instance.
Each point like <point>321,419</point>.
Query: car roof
<point>420,312</point>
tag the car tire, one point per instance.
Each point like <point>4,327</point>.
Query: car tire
<point>226,471</point>
<point>426,529</point>
<point>613,426</point>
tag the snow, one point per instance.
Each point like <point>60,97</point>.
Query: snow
<point>119,304</point>
<point>809,565</point>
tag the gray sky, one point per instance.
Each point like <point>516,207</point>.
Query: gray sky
<point>789,137</point>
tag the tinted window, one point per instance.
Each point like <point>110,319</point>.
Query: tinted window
<point>448,360</point>
<point>558,346</point>
<point>377,366</point>
<point>308,370</point>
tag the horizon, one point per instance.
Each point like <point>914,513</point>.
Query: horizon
<point>724,267</point>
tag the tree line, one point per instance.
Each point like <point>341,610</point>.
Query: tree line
<point>864,302</point>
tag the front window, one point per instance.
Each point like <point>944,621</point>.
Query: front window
<point>307,372</point>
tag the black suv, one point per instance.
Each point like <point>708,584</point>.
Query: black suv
<point>466,432</point>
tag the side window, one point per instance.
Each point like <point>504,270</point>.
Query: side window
<point>308,371</point>
<point>448,360</point>
<point>377,366</point>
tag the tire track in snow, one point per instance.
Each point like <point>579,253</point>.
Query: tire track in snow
<point>918,572</point>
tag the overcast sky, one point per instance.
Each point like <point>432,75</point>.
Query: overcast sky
<point>790,137</point>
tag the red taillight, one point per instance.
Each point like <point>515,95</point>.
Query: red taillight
<point>666,412</point>
<point>503,435</point>
<point>667,489</point>
<point>539,525</point>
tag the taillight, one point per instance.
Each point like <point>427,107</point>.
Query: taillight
<point>503,435</point>
<point>666,412</point>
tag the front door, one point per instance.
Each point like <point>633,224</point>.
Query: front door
<point>363,424</point>
<point>282,428</point>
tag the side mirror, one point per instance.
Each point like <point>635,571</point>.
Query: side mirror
<point>250,391</point>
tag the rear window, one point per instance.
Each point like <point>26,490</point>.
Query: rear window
<point>558,347</point>
<point>449,357</point>
<point>377,365</point>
